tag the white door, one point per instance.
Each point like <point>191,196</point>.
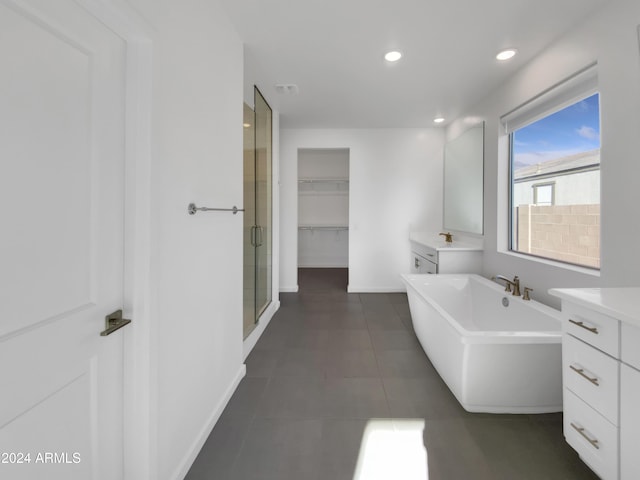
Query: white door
<point>61,242</point>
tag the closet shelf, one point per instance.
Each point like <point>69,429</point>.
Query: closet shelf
<point>323,227</point>
<point>321,193</point>
<point>323,180</point>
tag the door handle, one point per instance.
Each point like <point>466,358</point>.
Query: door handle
<point>113,322</point>
<point>256,235</point>
<point>260,230</point>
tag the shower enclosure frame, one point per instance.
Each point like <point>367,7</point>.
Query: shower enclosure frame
<point>258,218</point>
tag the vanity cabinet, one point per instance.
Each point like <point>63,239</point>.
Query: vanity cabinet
<point>629,423</point>
<point>421,264</point>
<point>590,372</point>
<point>432,255</point>
<point>601,378</point>
<point>630,402</point>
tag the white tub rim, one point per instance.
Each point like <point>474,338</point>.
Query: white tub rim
<point>491,336</point>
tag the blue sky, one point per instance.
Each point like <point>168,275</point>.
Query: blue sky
<point>574,129</point>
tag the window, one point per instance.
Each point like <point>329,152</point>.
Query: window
<point>555,174</point>
<point>543,193</point>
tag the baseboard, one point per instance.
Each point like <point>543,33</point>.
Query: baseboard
<point>196,446</point>
<point>289,289</point>
<point>365,289</point>
<point>254,336</point>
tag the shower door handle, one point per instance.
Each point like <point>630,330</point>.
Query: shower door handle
<point>257,234</point>
<point>260,231</point>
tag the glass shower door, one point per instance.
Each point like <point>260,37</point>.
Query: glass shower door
<point>249,199</point>
<point>257,216</point>
<point>263,192</point>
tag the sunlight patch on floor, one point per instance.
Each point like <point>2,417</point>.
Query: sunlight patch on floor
<point>392,449</point>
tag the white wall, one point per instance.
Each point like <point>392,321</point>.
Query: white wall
<point>196,261</point>
<point>395,186</point>
<point>580,188</point>
<point>610,38</point>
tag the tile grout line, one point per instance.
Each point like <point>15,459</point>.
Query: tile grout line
<point>254,415</point>
<point>375,355</point>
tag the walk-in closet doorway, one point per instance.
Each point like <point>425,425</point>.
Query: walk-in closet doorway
<point>323,208</point>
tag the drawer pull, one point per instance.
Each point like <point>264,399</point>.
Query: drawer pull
<point>580,371</point>
<point>581,324</point>
<point>592,441</point>
<point>430,255</point>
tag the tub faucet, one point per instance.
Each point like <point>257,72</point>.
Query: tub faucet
<point>509,283</point>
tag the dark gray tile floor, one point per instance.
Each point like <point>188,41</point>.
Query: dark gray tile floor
<point>337,375</point>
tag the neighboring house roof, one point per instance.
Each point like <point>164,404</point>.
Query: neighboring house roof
<point>579,162</point>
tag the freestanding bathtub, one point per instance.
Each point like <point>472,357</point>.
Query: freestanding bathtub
<point>497,353</point>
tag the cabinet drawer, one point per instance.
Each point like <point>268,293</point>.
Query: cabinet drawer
<point>591,375</point>
<point>630,345</point>
<point>416,262</point>
<point>428,252</point>
<point>592,436</point>
<point>596,329</point>
<point>420,264</point>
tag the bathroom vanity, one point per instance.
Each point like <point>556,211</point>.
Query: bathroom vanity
<point>601,378</point>
<point>431,254</point>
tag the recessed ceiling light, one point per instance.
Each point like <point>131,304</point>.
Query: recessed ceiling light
<point>393,56</point>
<point>438,120</point>
<point>506,54</point>
<point>246,125</point>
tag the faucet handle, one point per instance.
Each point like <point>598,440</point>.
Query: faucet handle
<point>525,295</point>
<point>448,237</point>
<point>516,286</point>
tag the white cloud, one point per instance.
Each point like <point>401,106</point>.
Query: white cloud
<point>582,106</point>
<point>588,132</point>
<point>531,158</point>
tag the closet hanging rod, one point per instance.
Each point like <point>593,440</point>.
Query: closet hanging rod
<point>327,227</point>
<point>192,209</point>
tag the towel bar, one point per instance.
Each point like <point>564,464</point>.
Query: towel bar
<point>192,209</point>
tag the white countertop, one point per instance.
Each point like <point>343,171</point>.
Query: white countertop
<point>620,303</point>
<point>436,241</point>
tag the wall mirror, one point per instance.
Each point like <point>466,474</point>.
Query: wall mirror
<point>463,181</point>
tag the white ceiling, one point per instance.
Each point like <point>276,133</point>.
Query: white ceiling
<point>333,51</point>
